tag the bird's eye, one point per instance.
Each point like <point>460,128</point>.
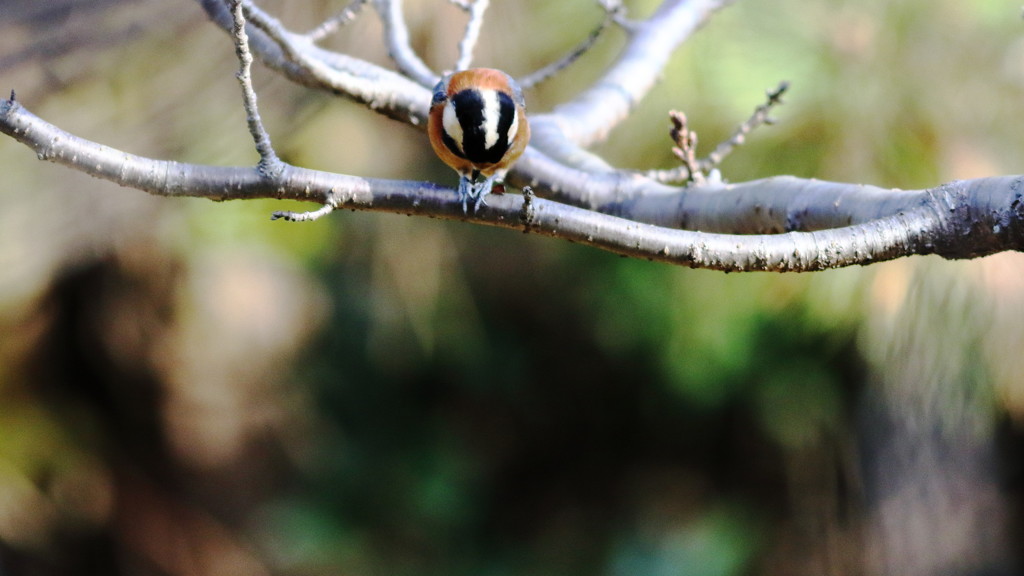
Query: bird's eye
<point>440,93</point>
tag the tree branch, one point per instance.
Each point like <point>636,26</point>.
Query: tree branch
<point>773,205</point>
<point>300,60</point>
<point>395,96</point>
<point>269,162</point>
<point>583,121</point>
<point>590,117</point>
<point>336,22</point>
<point>779,224</point>
<point>399,48</point>
<point>957,220</point>
<point>612,10</point>
<point>693,170</point>
<point>468,43</point>
<point>739,136</point>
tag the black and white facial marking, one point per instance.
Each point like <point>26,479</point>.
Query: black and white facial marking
<point>479,125</point>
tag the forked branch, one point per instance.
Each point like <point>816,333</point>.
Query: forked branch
<point>269,162</point>
<point>777,224</point>
<point>959,220</point>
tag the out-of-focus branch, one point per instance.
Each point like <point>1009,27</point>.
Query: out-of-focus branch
<point>590,117</point>
<point>958,220</point>
<point>468,43</point>
<point>336,22</point>
<point>583,121</point>
<point>613,10</point>
<point>760,117</point>
<point>399,48</point>
<point>561,135</point>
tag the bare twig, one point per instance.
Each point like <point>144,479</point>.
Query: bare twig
<point>300,60</point>
<point>469,39</point>
<point>311,216</point>
<point>618,14</point>
<point>685,149</point>
<point>369,84</point>
<point>399,47</point>
<point>613,9</point>
<point>738,137</point>
<point>686,146</point>
<point>590,117</point>
<point>269,164</point>
<point>693,170</point>
<point>334,23</point>
<point>668,176</point>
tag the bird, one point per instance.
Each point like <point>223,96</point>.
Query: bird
<point>477,125</point>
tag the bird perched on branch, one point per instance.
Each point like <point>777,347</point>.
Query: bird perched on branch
<point>477,125</point>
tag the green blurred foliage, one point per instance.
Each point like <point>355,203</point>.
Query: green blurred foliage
<point>461,400</point>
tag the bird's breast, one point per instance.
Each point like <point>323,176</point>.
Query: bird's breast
<point>480,124</point>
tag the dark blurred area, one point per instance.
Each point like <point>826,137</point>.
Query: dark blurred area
<point>187,388</point>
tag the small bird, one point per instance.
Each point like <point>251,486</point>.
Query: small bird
<point>477,125</point>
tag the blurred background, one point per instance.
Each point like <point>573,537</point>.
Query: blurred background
<point>189,388</point>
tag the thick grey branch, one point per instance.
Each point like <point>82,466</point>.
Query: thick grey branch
<point>961,219</point>
<point>769,206</point>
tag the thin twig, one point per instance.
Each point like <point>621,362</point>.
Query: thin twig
<point>304,216</point>
<point>295,57</point>
<point>399,47</point>
<point>618,14</point>
<point>334,23</point>
<point>613,9</point>
<point>469,39</point>
<point>693,170</point>
<point>365,84</point>
<point>686,146</point>
<point>685,150</point>
<point>759,117</point>
<point>464,4</point>
<point>593,113</point>
<point>270,164</point>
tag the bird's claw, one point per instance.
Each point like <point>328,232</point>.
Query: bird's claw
<point>476,191</point>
